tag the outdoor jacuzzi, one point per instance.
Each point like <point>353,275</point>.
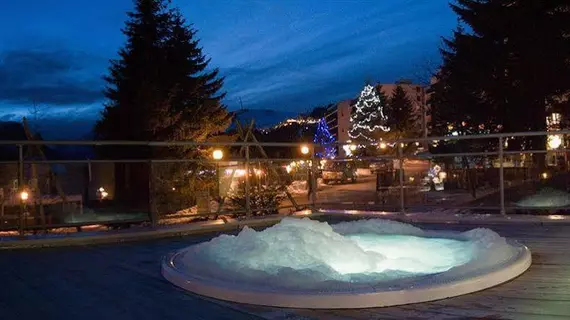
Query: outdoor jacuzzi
<point>302,263</point>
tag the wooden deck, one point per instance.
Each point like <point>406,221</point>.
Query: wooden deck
<point>123,281</point>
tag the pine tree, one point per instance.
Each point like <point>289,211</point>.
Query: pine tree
<point>325,141</point>
<point>503,73</point>
<point>402,118</point>
<point>158,89</point>
<point>368,117</point>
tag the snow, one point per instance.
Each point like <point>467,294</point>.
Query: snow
<point>299,187</point>
<point>303,254</point>
<point>546,198</point>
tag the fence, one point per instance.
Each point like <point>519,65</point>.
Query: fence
<point>45,187</point>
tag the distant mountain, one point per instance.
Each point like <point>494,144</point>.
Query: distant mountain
<point>264,118</point>
<point>10,130</point>
<point>14,131</point>
<point>64,129</point>
<point>82,129</point>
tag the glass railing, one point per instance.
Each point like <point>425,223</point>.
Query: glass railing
<point>82,185</point>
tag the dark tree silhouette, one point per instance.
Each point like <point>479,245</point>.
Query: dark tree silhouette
<point>401,116</point>
<point>502,68</point>
<point>160,88</point>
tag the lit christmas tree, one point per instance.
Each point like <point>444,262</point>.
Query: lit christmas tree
<point>368,116</point>
<point>325,139</point>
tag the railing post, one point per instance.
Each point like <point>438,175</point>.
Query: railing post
<point>21,187</point>
<point>401,174</point>
<point>247,187</point>
<point>314,180</point>
<point>151,204</point>
<point>501,176</point>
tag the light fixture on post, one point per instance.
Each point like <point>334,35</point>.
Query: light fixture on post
<point>24,196</point>
<point>305,149</point>
<point>554,141</point>
<point>217,154</point>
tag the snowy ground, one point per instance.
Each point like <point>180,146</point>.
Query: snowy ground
<point>546,198</point>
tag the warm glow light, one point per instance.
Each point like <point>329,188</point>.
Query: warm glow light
<point>417,144</point>
<point>173,189</point>
<point>442,175</point>
<point>412,179</point>
<point>352,147</point>
<point>544,175</point>
<point>383,145</point>
<point>217,154</point>
<point>288,168</point>
<point>554,141</point>
<point>304,150</point>
<point>104,194</point>
<point>101,189</point>
<point>555,217</point>
<point>24,195</point>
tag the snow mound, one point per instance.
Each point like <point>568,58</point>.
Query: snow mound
<point>300,254</point>
<point>546,198</point>
<point>297,187</point>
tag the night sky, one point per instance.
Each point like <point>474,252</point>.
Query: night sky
<point>286,55</point>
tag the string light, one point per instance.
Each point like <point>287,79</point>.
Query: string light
<point>324,138</point>
<point>368,115</point>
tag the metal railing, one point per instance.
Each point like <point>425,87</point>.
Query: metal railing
<point>313,201</point>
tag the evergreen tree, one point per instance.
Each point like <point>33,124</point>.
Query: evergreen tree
<point>160,88</point>
<point>325,141</point>
<point>503,73</point>
<point>402,118</point>
<point>368,117</point>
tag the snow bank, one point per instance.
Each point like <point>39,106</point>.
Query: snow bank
<point>305,254</point>
<point>546,198</point>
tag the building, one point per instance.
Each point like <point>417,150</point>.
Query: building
<point>338,117</point>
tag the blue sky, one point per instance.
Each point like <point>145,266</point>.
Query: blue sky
<point>274,54</point>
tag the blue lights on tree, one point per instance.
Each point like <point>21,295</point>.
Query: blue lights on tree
<point>324,140</point>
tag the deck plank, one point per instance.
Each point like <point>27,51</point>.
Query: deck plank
<point>123,281</point>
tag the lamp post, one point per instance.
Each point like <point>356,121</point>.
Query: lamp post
<point>218,154</point>
<point>311,176</point>
<point>24,196</point>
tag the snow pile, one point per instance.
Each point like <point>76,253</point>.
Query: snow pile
<point>297,187</point>
<point>194,209</point>
<point>546,198</point>
<point>300,186</point>
<point>307,254</point>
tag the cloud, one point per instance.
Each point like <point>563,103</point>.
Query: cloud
<point>315,62</point>
<point>57,77</point>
